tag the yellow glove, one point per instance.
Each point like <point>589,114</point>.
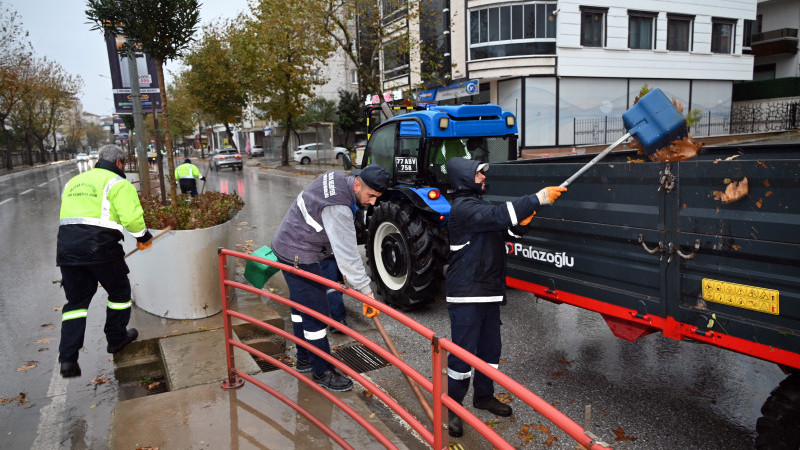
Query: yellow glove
<point>549,194</point>
<point>144,245</point>
<point>527,220</point>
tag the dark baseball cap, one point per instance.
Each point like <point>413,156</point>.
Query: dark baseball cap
<point>373,176</point>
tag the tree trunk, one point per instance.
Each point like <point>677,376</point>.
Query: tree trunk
<point>8,163</point>
<point>285,142</point>
<point>173,192</point>
<point>229,132</point>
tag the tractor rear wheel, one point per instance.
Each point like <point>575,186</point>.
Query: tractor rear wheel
<point>403,250</point>
<point>779,425</point>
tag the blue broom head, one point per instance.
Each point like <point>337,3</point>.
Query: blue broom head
<point>654,122</point>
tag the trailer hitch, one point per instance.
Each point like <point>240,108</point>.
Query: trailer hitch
<point>652,251</point>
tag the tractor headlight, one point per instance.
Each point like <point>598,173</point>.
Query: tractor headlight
<point>510,121</point>
<point>444,122</point>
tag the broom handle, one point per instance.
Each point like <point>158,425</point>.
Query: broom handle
<point>599,156</point>
<point>151,240</point>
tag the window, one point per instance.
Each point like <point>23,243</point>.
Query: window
<point>353,76</point>
<point>641,29</point>
<point>747,34</point>
<point>679,32</point>
<point>393,10</point>
<point>593,27</point>
<point>722,35</point>
<point>395,58</point>
<point>380,149</point>
<point>512,30</point>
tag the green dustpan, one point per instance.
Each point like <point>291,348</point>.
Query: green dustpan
<point>257,274</point>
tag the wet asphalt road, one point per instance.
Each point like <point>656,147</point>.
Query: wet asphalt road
<point>657,393</point>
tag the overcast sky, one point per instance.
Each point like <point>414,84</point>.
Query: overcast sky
<point>59,30</point>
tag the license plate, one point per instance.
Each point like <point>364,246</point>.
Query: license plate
<point>741,296</point>
<point>405,164</point>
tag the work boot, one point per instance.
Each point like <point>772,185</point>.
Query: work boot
<point>455,428</point>
<point>70,369</point>
<point>492,405</point>
<point>332,381</point>
<point>133,333</point>
<point>302,366</point>
<point>335,330</point>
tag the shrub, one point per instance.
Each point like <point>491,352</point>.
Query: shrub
<point>206,210</point>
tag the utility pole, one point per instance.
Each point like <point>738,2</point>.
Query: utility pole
<point>138,125</point>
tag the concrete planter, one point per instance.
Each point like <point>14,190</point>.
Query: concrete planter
<point>178,277</point>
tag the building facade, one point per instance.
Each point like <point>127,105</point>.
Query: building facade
<point>556,63</point>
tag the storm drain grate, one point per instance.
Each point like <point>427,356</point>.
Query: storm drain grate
<point>359,358</point>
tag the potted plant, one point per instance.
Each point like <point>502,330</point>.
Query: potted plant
<point>178,277</point>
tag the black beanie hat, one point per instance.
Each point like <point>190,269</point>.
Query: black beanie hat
<point>374,176</point>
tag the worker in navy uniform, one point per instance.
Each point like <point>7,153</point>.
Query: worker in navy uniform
<point>187,175</point>
<point>320,222</point>
<point>96,207</point>
<point>476,278</point>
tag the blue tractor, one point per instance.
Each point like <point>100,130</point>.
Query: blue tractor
<point>406,231</point>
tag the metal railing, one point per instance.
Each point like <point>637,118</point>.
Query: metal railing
<point>437,387</point>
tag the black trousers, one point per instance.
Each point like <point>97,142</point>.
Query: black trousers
<point>80,285</point>
<point>188,185</point>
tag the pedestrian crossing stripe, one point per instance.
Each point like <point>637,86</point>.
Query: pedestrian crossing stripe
<point>741,296</point>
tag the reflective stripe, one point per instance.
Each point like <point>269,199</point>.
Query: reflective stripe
<point>105,215</point>
<point>490,299</point>
<point>458,375</point>
<point>330,291</point>
<point>119,306</point>
<point>309,220</point>
<point>75,314</point>
<point>511,233</point>
<point>512,213</point>
<point>496,366</point>
<point>455,248</point>
<point>297,318</point>
<point>315,335</point>
<point>92,221</point>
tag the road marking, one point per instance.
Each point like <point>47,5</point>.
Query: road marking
<point>51,419</point>
<point>54,178</point>
<point>42,184</point>
<point>25,192</point>
<point>6,200</point>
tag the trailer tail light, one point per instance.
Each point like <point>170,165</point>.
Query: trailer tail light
<point>238,155</point>
<point>441,218</point>
<point>434,194</point>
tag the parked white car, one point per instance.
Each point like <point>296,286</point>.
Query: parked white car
<point>316,151</point>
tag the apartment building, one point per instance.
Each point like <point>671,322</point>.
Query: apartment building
<point>554,63</point>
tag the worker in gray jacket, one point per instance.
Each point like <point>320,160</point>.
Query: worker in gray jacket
<point>319,223</point>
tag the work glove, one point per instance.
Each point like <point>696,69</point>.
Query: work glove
<point>549,194</point>
<point>144,245</point>
<point>370,311</point>
<point>527,220</point>
<point>203,178</point>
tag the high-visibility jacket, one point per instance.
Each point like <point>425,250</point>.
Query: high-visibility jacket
<point>187,170</point>
<point>95,207</point>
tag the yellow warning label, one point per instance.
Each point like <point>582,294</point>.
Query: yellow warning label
<point>741,296</point>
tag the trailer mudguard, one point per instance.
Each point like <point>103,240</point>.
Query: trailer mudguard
<point>420,197</point>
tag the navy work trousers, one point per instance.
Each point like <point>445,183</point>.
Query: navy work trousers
<point>188,185</point>
<point>80,285</point>
<point>476,328</point>
<point>312,295</point>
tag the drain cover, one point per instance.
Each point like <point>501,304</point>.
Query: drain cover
<point>359,358</point>
<point>356,356</point>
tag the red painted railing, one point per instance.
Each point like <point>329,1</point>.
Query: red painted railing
<point>437,387</point>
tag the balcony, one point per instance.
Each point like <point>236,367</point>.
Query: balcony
<point>775,42</point>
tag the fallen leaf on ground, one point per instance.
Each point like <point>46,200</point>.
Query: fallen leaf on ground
<point>28,366</point>
<point>58,308</point>
<point>45,340</point>
<point>768,194</point>
<point>147,448</point>
<point>620,435</point>
<point>766,183</point>
<point>21,399</point>
<point>48,326</point>
<point>758,203</point>
<point>99,380</point>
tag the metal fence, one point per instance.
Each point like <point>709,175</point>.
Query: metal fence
<point>748,118</point>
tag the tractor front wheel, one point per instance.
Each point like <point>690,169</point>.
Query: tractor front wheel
<point>402,255</point>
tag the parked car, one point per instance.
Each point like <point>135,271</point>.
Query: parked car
<point>257,151</point>
<point>227,157</point>
<point>94,155</point>
<point>316,151</point>
<point>360,145</point>
<point>81,157</point>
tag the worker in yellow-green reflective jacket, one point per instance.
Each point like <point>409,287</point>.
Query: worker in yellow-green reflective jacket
<point>186,174</point>
<point>96,207</point>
